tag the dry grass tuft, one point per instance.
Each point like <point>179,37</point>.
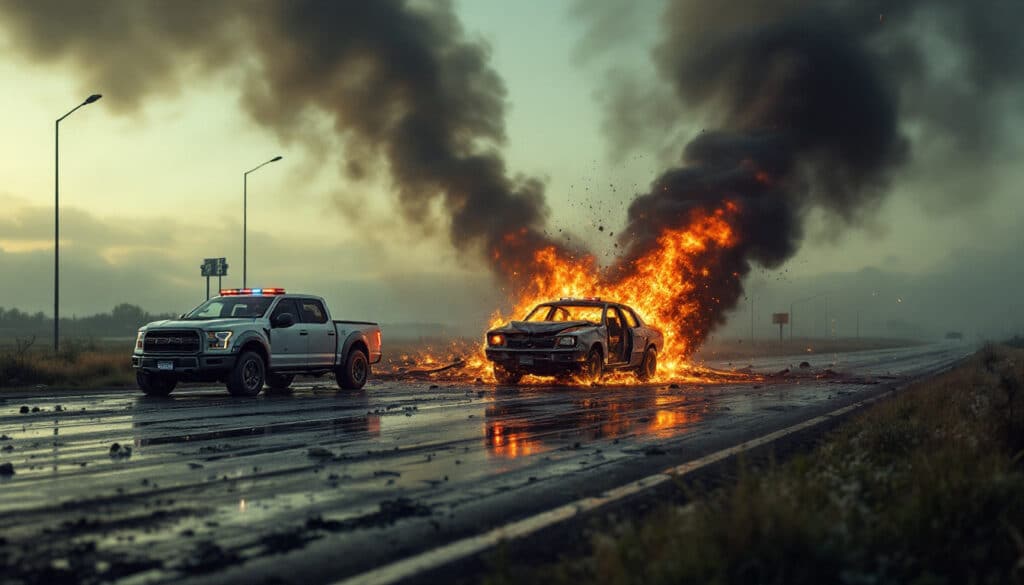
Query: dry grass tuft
<point>79,364</point>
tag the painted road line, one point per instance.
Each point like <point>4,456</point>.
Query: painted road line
<point>467,547</point>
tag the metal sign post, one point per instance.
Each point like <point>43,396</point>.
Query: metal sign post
<point>213,267</point>
<point>780,319</point>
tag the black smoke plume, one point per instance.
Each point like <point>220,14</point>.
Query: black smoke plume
<point>398,80</point>
<point>808,101</point>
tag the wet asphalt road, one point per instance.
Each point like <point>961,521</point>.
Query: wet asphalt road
<point>321,484</point>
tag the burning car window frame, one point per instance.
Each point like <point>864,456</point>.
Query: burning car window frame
<point>551,308</point>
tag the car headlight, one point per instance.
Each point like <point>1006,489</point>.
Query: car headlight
<point>567,341</point>
<point>139,338</point>
<point>496,340</point>
<point>218,339</point>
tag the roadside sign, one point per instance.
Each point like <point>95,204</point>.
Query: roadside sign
<point>780,319</point>
<point>213,267</point>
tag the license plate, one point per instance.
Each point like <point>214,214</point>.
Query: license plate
<point>525,360</point>
<point>165,365</point>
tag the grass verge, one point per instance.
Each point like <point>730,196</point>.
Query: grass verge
<point>80,364</point>
<point>925,488</point>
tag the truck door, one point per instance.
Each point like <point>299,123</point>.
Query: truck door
<point>323,339</point>
<point>288,345</point>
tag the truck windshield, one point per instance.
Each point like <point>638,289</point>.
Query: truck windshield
<point>587,313</point>
<point>228,307</point>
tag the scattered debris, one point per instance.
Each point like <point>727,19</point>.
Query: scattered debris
<point>804,365</point>
<point>119,452</point>
<point>282,542</point>
<point>58,408</point>
<point>194,465</point>
<point>208,557</point>
<point>6,469</point>
<point>319,452</point>
<point>385,473</point>
<point>36,409</point>
<point>24,410</point>
<point>654,450</point>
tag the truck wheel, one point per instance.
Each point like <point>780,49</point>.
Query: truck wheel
<point>155,384</point>
<point>506,376</point>
<point>280,382</point>
<point>593,371</point>
<point>649,367</point>
<point>248,376</point>
<point>355,372</point>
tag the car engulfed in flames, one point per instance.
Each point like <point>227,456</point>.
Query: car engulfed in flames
<point>581,338</point>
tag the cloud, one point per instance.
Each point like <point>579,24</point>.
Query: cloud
<point>154,263</point>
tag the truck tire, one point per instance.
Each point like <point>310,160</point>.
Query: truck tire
<point>506,376</point>
<point>354,373</point>
<point>155,384</point>
<point>248,376</point>
<point>279,382</point>
<point>649,367</point>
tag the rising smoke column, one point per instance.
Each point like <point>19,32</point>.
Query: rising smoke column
<point>804,106</point>
<point>398,81</point>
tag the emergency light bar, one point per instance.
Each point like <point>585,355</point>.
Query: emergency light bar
<point>580,299</point>
<point>234,292</point>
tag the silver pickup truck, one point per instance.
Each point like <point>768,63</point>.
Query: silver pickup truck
<point>248,338</point>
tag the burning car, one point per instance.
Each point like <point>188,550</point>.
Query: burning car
<point>574,336</point>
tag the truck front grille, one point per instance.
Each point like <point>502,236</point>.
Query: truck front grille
<point>531,342</point>
<point>171,341</point>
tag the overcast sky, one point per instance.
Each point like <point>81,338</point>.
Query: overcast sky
<point>150,189</point>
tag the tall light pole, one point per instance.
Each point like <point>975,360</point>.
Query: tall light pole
<point>792,322</point>
<point>56,219</point>
<point>245,216</point>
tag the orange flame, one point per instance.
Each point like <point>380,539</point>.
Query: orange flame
<point>668,287</point>
<point>661,285</point>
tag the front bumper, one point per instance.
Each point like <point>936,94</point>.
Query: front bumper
<point>544,362</point>
<point>202,367</point>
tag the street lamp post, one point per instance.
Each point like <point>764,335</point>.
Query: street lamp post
<point>56,219</point>
<point>245,217</point>
<point>792,321</point>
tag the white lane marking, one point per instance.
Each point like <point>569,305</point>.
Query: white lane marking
<point>460,549</point>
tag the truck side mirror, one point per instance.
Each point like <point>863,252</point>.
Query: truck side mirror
<point>284,320</point>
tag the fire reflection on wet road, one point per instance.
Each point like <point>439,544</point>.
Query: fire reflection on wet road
<point>203,485</point>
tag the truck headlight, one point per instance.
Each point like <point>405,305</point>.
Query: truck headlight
<point>218,339</point>
<point>139,338</point>
<point>496,340</point>
<point>567,341</point>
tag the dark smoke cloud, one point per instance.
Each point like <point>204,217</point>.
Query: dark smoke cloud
<point>810,102</point>
<point>398,80</point>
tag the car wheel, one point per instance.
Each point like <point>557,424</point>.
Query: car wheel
<point>594,369</point>
<point>649,367</point>
<point>248,376</point>
<point>280,382</point>
<point>506,376</point>
<point>155,384</point>
<point>355,372</point>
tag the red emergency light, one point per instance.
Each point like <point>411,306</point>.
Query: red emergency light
<point>234,292</point>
